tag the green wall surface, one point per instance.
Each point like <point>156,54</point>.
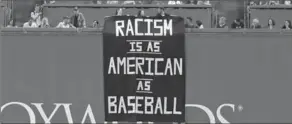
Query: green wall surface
<point>250,70</point>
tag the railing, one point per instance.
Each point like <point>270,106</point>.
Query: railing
<point>95,31</point>
<point>126,6</point>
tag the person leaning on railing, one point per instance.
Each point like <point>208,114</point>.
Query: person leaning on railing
<point>36,15</point>
<point>287,25</point>
<point>222,23</point>
<point>256,24</point>
<point>30,24</point>
<point>65,23</point>
<point>237,24</point>
<point>77,18</point>
<point>45,23</point>
<point>271,24</point>
<point>189,23</point>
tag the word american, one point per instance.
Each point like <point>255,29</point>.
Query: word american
<point>145,66</point>
<point>155,27</point>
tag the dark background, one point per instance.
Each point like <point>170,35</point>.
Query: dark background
<point>162,86</point>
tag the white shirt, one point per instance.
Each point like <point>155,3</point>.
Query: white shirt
<point>112,2</point>
<point>129,2</point>
<point>206,2</point>
<point>63,25</point>
<point>173,2</point>
<point>287,2</point>
<point>201,27</point>
<point>33,25</point>
<point>36,17</point>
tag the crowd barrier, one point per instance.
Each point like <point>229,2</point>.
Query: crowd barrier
<point>279,13</point>
<point>55,12</point>
<point>250,69</point>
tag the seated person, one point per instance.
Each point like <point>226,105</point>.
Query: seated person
<point>269,2</point>
<point>192,2</point>
<point>161,12</point>
<point>131,2</point>
<point>112,2</point>
<point>255,24</point>
<point>222,23</point>
<point>45,23</point>
<point>287,25</point>
<point>11,24</point>
<point>271,24</point>
<point>175,2</point>
<point>288,2</point>
<point>65,23</point>
<point>95,24</point>
<point>203,2</point>
<point>119,12</point>
<point>141,13</point>
<point>237,24</point>
<point>199,24</point>
<point>189,23</point>
<point>30,24</point>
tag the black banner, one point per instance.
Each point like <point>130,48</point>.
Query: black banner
<point>144,69</point>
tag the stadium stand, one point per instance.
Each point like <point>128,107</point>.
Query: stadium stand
<point>207,12</point>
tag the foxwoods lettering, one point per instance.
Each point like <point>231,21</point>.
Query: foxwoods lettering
<point>144,69</point>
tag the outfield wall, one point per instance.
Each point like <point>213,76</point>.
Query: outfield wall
<point>252,70</point>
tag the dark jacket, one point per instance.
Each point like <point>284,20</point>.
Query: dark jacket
<point>190,26</point>
<point>237,25</point>
<point>160,16</point>
<point>81,22</point>
<point>258,26</point>
<point>284,27</point>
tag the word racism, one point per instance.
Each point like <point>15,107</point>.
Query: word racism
<point>135,65</point>
<point>126,28</point>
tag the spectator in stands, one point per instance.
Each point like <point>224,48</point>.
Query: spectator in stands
<point>189,23</point>
<point>161,12</point>
<point>30,24</point>
<point>203,2</point>
<point>288,25</point>
<point>255,24</point>
<point>65,23</point>
<point>112,2</point>
<point>175,2</point>
<point>271,24</point>
<point>36,15</point>
<point>7,13</point>
<point>192,2</point>
<point>237,24</point>
<point>199,24</point>
<point>45,23</point>
<point>141,13</point>
<point>119,12</point>
<point>49,1</point>
<point>222,23</point>
<point>253,3</point>
<point>77,19</point>
<point>269,2</point>
<point>97,1</point>
<point>11,24</point>
<point>95,24</point>
<point>129,2</point>
<point>287,2</point>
